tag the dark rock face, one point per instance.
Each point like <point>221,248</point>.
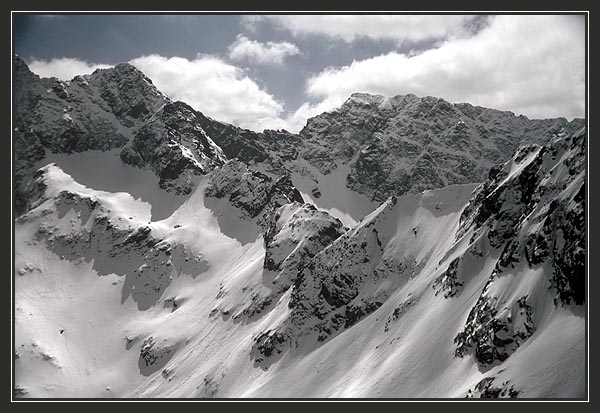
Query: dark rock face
<point>399,311</point>
<point>549,191</point>
<point>154,355</point>
<point>567,220</point>
<point>393,146</point>
<point>276,147</point>
<point>493,335</point>
<point>293,232</point>
<point>486,389</point>
<point>448,283</point>
<point>532,210</point>
<point>268,344</point>
<point>409,144</point>
<point>146,352</point>
<point>96,111</point>
<point>127,91</point>
<point>111,108</point>
<point>29,188</point>
<point>175,147</point>
<point>272,149</point>
<point>251,191</point>
<point>316,192</point>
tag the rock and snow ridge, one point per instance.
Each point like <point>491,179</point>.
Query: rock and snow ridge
<point>379,146</point>
<point>175,147</point>
<point>111,108</point>
<point>408,144</point>
<point>246,290</point>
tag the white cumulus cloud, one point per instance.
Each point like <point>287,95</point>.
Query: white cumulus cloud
<point>212,86</point>
<point>262,53</point>
<point>531,65</point>
<point>64,68</point>
<point>351,27</point>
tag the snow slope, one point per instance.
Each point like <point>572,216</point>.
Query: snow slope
<point>329,193</point>
<point>116,176</point>
<point>391,307</point>
<point>103,333</point>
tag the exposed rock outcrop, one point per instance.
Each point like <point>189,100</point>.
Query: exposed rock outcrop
<point>175,147</point>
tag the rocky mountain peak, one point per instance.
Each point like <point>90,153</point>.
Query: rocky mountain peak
<point>122,69</point>
<point>20,69</point>
<point>408,144</point>
<point>101,111</point>
<point>363,99</point>
<point>127,78</point>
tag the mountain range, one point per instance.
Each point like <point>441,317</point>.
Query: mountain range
<point>397,247</point>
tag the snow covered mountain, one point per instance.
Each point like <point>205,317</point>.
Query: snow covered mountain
<point>409,144</point>
<point>396,145</point>
<point>162,253</point>
<point>111,108</point>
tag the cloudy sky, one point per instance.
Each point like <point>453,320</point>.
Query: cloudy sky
<point>270,71</point>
